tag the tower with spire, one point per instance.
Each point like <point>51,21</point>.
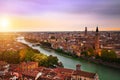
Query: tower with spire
<point>85,31</point>
<point>97,43</point>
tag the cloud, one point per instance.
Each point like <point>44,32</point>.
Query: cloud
<point>25,7</point>
<point>102,8</point>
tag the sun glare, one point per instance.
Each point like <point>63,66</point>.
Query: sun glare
<point>4,24</point>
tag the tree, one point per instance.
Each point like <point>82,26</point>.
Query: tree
<point>85,53</point>
<point>10,56</point>
<point>91,52</point>
<point>46,44</point>
<point>52,60</point>
<point>39,57</point>
<point>108,55</point>
<point>29,54</point>
<point>22,54</point>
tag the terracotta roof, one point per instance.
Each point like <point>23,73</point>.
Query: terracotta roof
<point>3,63</point>
<point>6,76</point>
<point>54,74</point>
<point>2,69</point>
<point>62,76</point>
<point>40,69</point>
<point>14,67</point>
<point>28,63</point>
<point>64,70</point>
<point>30,73</point>
<point>85,74</point>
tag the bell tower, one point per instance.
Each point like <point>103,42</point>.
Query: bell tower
<point>97,43</point>
<point>85,31</point>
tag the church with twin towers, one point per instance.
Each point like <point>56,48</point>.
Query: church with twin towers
<point>93,43</point>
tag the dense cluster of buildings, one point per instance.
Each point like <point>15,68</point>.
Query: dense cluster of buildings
<point>73,42</point>
<point>111,40</point>
<point>76,42</point>
<point>31,71</point>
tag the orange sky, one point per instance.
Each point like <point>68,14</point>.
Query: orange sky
<point>55,23</point>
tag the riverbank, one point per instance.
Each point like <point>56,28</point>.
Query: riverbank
<point>93,60</point>
<point>32,54</point>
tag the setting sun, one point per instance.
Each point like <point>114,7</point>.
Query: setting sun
<point>4,22</point>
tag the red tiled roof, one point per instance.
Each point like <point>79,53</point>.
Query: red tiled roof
<point>60,73</point>
<point>2,69</point>
<point>28,63</point>
<point>85,74</point>
<point>3,63</point>
<point>6,76</point>
<point>40,69</point>
<point>30,73</point>
<point>64,70</point>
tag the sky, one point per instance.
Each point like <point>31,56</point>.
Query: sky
<point>59,15</point>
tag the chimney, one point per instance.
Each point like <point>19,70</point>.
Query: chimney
<point>78,67</point>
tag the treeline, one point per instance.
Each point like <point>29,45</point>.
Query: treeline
<point>106,55</point>
<point>28,54</point>
<point>30,40</point>
<point>66,53</point>
<point>46,45</point>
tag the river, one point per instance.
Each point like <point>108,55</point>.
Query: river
<point>104,72</point>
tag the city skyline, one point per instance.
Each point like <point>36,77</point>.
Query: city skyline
<point>60,15</point>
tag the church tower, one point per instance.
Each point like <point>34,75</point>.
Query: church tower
<point>85,31</point>
<point>97,43</point>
